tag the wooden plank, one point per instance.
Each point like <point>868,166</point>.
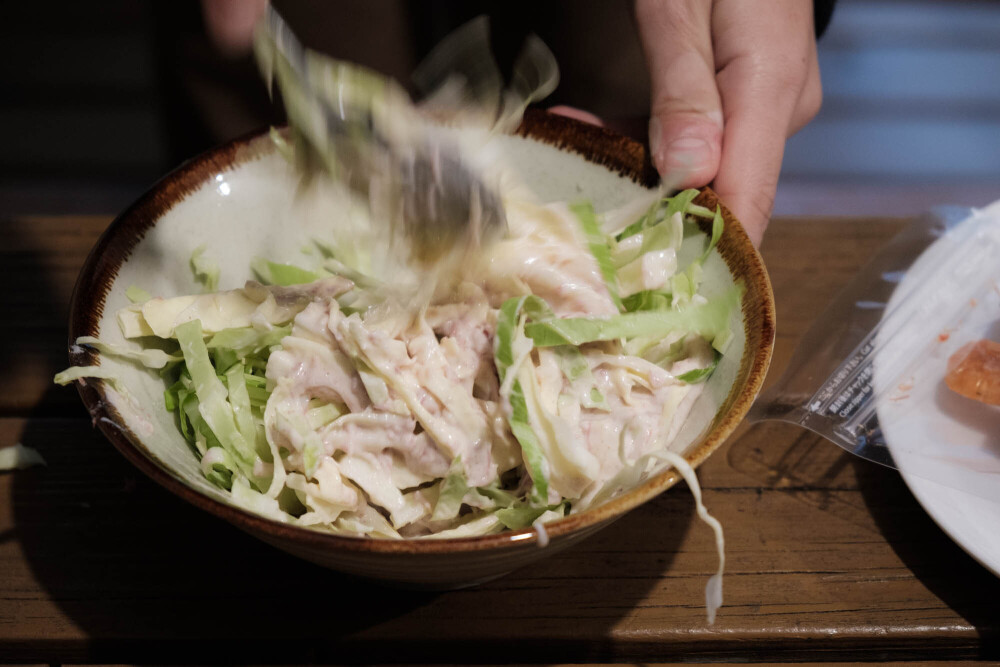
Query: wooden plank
<point>99,564</point>
<point>43,255</point>
<point>827,556</point>
<point>907,663</point>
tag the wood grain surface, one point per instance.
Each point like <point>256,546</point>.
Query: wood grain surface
<point>829,558</point>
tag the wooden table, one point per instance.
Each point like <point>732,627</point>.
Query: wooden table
<point>835,561</point>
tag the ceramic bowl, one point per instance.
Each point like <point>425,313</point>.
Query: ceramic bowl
<point>240,201</point>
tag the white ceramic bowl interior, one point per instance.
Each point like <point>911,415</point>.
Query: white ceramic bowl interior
<point>254,209</point>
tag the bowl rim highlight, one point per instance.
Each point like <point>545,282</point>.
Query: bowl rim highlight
<point>595,144</point>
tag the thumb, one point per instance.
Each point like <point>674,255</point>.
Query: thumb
<point>685,126</point>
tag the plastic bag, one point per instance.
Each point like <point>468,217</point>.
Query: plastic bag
<point>869,373</point>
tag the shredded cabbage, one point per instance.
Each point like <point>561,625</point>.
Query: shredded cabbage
<point>205,270</point>
<point>19,457</point>
<point>548,375</point>
<point>598,245</point>
<point>479,411</point>
<point>709,320</point>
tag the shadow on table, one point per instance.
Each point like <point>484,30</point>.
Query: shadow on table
<point>147,577</point>
<point>940,564</point>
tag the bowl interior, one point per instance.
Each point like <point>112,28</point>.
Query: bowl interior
<point>245,201</point>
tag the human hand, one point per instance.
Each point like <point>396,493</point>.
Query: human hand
<point>230,23</point>
<point>731,80</point>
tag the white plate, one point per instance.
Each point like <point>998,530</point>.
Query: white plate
<point>947,447</point>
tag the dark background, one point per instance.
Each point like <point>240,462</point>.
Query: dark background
<point>99,99</point>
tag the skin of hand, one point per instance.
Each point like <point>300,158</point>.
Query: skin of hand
<point>731,81</point>
<point>230,23</point>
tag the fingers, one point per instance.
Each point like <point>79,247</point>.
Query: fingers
<point>685,128</point>
<point>765,54</point>
<point>577,114</point>
<point>230,23</point>
<point>811,98</point>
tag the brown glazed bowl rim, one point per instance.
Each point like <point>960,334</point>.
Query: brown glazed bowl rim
<point>595,144</point>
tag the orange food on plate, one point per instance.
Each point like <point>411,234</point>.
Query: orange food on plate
<point>974,371</point>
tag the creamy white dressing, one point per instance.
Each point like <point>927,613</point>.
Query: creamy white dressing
<point>386,414</point>
<point>421,389</point>
<point>387,402</point>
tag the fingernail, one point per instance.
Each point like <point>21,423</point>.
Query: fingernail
<point>686,153</point>
<point>678,158</point>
